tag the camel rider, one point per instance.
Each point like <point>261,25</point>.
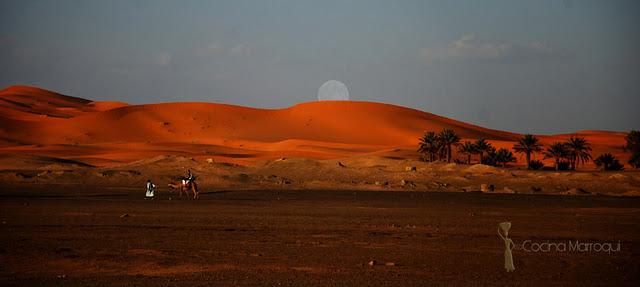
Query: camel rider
<point>190,177</point>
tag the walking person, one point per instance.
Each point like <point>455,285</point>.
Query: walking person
<point>151,189</point>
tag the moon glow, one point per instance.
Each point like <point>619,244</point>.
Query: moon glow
<point>333,91</point>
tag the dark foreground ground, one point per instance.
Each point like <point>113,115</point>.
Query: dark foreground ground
<point>70,236</point>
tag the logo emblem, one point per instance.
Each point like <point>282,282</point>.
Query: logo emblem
<point>508,245</point>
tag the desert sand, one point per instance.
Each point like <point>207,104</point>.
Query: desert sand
<point>52,138</point>
<point>40,122</point>
<point>322,193</point>
<point>98,236</point>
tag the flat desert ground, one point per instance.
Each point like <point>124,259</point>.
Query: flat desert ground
<point>326,193</point>
<point>97,236</point>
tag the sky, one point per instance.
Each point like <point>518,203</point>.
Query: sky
<point>544,66</point>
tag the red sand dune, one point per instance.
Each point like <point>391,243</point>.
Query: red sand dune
<point>29,103</point>
<point>46,123</point>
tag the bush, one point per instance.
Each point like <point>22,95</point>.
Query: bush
<point>634,161</point>
<point>536,164</point>
<point>608,162</point>
<point>633,146</point>
<point>490,159</point>
<point>504,156</point>
<point>616,165</point>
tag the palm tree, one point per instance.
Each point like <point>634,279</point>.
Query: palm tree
<point>440,148</point>
<point>482,146</point>
<point>429,145</point>
<point>608,162</point>
<point>558,152</point>
<point>633,141</point>
<point>634,160</point>
<point>633,146</point>
<point>448,137</point>
<point>528,144</point>
<point>467,148</point>
<point>578,151</point>
<point>504,156</point>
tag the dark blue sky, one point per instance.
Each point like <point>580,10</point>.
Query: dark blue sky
<point>524,66</point>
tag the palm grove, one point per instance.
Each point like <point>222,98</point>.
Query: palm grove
<point>565,155</point>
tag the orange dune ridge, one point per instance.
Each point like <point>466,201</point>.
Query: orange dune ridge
<point>36,121</point>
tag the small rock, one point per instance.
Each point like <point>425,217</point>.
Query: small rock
<point>486,187</point>
<point>483,169</point>
<point>372,263</point>
<point>341,164</point>
<point>440,184</point>
<point>410,168</point>
<point>381,183</point>
<point>61,276</point>
<point>407,183</point>
<point>617,176</point>
<point>209,160</point>
<point>125,215</point>
<point>390,264</point>
<point>508,190</point>
<point>536,189</point>
<point>577,191</point>
<point>285,180</point>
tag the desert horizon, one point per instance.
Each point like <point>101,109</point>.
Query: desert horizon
<point>38,117</point>
<point>366,170</point>
<point>319,143</point>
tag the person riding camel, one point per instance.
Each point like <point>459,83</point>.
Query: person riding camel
<point>190,177</point>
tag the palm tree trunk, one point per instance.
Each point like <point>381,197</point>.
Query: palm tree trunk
<point>571,163</point>
<point>469,159</point>
<point>528,160</point>
<point>448,153</point>
<point>557,164</point>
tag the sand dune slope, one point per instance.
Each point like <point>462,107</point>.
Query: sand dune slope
<point>43,117</point>
<point>30,103</point>
<point>32,117</point>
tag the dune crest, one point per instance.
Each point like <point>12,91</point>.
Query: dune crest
<point>76,128</point>
<point>34,104</point>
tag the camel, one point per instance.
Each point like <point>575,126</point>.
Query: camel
<point>185,186</point>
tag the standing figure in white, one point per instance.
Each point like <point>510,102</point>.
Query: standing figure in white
<point>151,189</point>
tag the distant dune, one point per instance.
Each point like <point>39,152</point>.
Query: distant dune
<point>40,122</point>
<point>34,104</point>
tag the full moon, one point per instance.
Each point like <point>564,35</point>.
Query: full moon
<point>333,91</point>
